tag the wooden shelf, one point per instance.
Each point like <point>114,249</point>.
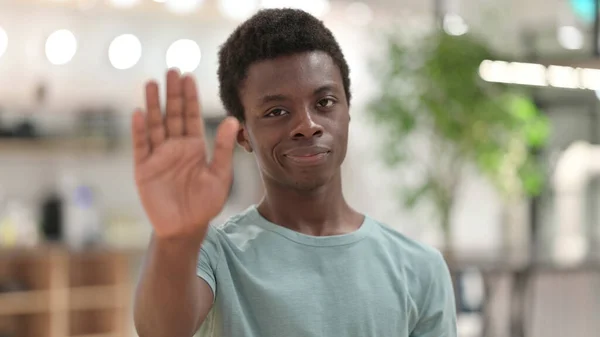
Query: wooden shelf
<point>80,298</point>
<point>22,303</point>
<point>33,325</point>
<point>54,146</point>
<point>73,293</point>
<point>96,297</point>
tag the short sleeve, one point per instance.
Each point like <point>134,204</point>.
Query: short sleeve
<point>208,259</point>
<point>437,312</point>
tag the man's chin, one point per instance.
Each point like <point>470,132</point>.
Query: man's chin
<point>311,184</point>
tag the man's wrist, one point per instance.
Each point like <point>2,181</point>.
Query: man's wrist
<point>179,247</point>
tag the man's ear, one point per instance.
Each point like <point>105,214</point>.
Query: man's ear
<point>242,138</point>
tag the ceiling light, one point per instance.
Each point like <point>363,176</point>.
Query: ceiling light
<point>124,3</point>
<point>532,74</point>
<point>183,6</point>
<point>184,54</point>
<point>495,71</point>
<point>590,78</point>
<point>570,37</point>
<point>455,25</point>
<point>61,46</point>
<point>563,77</point>
<point>528,74</point>
<point>125,51</point>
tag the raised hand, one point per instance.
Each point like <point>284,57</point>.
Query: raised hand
<point>180,189</point>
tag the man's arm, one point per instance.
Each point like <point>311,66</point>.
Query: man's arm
<point>181,191</point>
<point>437,314</point>
<point>171,300</point>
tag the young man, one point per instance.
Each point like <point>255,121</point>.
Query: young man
<point>302,262</point>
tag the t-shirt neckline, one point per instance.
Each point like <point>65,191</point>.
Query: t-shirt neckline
<point>310,240</point>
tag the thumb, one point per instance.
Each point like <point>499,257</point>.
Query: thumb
<point>221,162</point>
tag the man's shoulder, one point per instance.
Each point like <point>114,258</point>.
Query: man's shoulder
<point>408,247</point>
<point>237,220</point>
<point>416,258</point>
<point>422,265</point>
<point>238,228</point>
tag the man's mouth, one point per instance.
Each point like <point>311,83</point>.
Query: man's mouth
<point>308,155</point>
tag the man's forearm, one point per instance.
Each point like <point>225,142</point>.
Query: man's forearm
<point>169,299</point>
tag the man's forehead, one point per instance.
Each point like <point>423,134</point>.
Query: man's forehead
<point>313,69</point>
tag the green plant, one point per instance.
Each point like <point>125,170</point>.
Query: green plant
<point>437,114</point>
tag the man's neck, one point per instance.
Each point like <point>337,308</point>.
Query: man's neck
<point>319,212</point>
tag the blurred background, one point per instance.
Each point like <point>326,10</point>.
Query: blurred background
<point>475,126</point>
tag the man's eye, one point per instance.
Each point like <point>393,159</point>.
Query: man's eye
<point>276,113</point>
<point>326,103</point>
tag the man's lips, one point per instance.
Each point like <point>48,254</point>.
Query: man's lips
<point>308,151</point>
<point>308,155</point>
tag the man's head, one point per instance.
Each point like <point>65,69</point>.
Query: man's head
<point>283,75</point>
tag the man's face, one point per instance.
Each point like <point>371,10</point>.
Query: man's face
<point>297,119</point>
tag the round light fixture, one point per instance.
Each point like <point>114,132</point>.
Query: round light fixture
<point>125,51</point>
<point>61,46</point>
<point>455,25</point>
<point>184,54</point>
<point>570,37</point>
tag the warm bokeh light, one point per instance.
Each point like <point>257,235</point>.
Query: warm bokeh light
<point>183,6</point>
<point>61,46</point>
<point>540,75</point>
<point>455,25</point>
<point>124,3</point>
<point>184,54</point>
<point>125,51</point>
<point>563,77</point>
<point>570,37</point>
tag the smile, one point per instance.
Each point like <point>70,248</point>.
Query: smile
<point>308,159</point>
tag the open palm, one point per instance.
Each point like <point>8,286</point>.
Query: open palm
<point>180,189</point>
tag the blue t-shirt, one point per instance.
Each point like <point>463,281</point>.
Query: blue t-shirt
<point>270,281</point>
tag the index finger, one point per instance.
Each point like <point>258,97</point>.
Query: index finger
<point>193,122</point>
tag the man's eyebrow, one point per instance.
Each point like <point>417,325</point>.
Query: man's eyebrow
<point>279,97</point>
<point>272,98</point>
<point>325,88</point>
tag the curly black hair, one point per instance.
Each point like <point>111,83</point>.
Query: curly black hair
<point>268,34</point>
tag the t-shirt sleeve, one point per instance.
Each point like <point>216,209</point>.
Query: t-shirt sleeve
<point>208,259</point>
<point>437,313</point>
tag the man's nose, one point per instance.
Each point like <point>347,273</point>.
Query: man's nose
<point>306,126</point>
